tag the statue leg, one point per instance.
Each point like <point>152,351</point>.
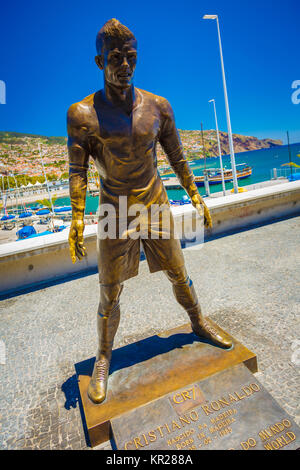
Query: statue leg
<point>108,319</point>
<point>186,296</point>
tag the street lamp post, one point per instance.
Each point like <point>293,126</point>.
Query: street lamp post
<point>235,183</point>
<point>219,147</point>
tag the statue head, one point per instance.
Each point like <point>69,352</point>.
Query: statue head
<point>117,53</point>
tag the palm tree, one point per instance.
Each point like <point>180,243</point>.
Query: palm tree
<point>49,204</point>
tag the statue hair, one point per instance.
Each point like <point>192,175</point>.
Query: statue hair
<point>112,29</point>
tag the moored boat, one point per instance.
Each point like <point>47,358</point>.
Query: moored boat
<point>62,209</point>
<point>215,176</point>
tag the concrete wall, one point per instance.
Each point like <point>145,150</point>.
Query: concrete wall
<point>27,263</point>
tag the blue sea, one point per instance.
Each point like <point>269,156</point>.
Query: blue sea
<point>261,161</point>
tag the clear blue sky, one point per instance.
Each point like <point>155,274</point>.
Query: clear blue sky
<point>48,49</point>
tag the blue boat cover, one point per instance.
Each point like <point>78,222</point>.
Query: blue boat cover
<point>25,232</point>
<point>25,214</point>
<point>63,209</point>
<point>43,212</point>
<point>47,232</point>
<point>8,217</point>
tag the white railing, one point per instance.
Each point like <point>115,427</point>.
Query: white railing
<point>283,172</point>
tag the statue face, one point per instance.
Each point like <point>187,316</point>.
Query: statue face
<point>118,62</point>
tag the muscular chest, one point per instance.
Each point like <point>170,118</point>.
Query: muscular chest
<point>114,130</point>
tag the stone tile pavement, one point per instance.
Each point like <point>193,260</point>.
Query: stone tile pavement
<point>249,282</point>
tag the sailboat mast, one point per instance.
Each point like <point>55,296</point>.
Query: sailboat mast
<point>17,191</point>
<point>45,176</point>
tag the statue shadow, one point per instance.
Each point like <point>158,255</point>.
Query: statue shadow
<point>141,351</point>
<point>72,395</point>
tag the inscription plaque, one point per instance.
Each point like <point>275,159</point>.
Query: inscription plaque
<point>228,410</point>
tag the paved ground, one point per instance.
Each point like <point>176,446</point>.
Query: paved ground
<point>248,282</point>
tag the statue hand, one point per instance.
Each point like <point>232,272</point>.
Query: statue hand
<point>202,209</point>
<point>77,250</point>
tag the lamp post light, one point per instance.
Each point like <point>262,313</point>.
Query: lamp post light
<point>235,183</point>
<point>219,147</point>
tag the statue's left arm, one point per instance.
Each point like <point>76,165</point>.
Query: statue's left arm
<point>171,144</point>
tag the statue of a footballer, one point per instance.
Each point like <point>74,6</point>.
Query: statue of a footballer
<point>119,128</point>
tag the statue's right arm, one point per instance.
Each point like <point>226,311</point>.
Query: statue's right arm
<point>78,167</point>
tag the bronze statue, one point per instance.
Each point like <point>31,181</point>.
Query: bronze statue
<point>119,128</point>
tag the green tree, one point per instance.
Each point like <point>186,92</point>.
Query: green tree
<point>47,202</point>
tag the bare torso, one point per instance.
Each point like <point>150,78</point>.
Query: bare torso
<point>123,145</point>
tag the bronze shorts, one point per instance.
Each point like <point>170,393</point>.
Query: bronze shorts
<point>119,259</point>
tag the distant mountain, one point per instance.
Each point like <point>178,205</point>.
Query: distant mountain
<point>192,140</point>
<point>244,143</point>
